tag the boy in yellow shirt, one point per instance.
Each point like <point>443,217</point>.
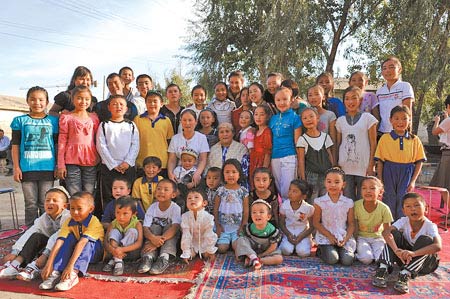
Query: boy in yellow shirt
<point>79,243</point>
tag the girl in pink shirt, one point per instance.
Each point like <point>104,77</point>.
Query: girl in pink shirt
<point>77,155</point>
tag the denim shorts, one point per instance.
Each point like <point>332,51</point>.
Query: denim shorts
<point>227,238</point>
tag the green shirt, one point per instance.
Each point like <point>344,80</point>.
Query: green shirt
<point>370,225</point>
<point>267,231</point>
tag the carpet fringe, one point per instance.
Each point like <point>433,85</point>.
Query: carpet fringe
<point>199,279</point>
<point>144,280</point>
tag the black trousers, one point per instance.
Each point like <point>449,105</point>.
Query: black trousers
<point>424,264</point>
<point>33,247</point>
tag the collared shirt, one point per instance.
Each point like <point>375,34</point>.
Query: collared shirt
<point>283,126</point>
<point>153,137</point>
<point>4,143</point>
<point>400,149</point>
<point>145,190</point>
<point>90,228</point>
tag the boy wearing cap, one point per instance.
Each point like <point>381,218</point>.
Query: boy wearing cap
<point>40,237</point>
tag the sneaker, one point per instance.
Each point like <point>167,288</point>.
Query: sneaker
<point>9,173</point>
<point>145,265</point>
<point>401,285</point>
<point>67,284</point>
<point>380,278</point>
<point>28,274</point>
<point>109,266</point>
<point>160,266</point>
<point>9,271</point>
<point>118,268</point>
<point>51,281</point>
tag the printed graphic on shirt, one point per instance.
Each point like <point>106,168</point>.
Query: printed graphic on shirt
<point>350,149</point>
<point>37,141</point>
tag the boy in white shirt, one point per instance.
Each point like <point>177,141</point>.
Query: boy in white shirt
<point>41,236</point>
<point>412,242</point>
<point>161,229</point>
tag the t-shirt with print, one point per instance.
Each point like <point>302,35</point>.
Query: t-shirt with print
<point>198,143</point>
<point>231,207</point>
<point>162,218</point>
<point>354,151</point>
<point>36,140</point>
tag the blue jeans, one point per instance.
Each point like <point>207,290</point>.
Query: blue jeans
<point>34,196</point>
<point>81,178</point>
<point>331,255</point>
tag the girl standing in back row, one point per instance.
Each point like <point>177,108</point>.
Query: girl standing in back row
<point>77,154</point>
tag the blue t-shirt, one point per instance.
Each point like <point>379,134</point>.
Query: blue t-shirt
<point>109,213</point>
<point>37,148</point>
<point>337,106</point>
<point>283,126</point>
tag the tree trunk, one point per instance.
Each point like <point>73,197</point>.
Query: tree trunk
<point>417,110</point>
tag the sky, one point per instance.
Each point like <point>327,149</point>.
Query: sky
<point>43,41</point>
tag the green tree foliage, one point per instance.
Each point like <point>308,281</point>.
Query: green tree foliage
<point>417,32</point>
<point>297,38</point>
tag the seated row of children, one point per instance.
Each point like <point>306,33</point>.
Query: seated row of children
<point>247,224</point>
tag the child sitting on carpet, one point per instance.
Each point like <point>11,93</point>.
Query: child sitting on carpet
<point>372,216</point>
<point>334,221</point>
<point>161,226</point>
<point>259,240</point>
<point>121,187</point>
<point>124,235</point>
<point>197,228</point>
<point>230,206</point>
<point>412,242</point>
<point>296,220</point>
<point>41,236</point>
<point>79,243</point>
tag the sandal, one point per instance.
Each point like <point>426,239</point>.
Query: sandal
<point>256,263</point>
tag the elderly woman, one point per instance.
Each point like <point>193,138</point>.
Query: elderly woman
<point>227,148</point>
<point>188,139</point>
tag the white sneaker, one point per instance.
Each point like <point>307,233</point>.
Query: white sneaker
<point>51,281</point>
<point>9,271</point>
<point>30,273</point>
<point>69,283</point>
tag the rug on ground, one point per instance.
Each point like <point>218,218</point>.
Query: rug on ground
<point>175,283</point>
<point>309,278</point>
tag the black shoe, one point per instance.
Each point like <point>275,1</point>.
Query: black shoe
<point>380,278</point>
<point>145,265</point>
<point>160,266</point>
<point>401,285</point>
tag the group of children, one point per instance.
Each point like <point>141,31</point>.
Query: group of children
<point>159,156</point>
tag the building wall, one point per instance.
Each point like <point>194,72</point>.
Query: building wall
<point>6,118</point>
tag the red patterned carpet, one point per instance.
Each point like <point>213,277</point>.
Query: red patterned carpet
<point>225,278</point>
